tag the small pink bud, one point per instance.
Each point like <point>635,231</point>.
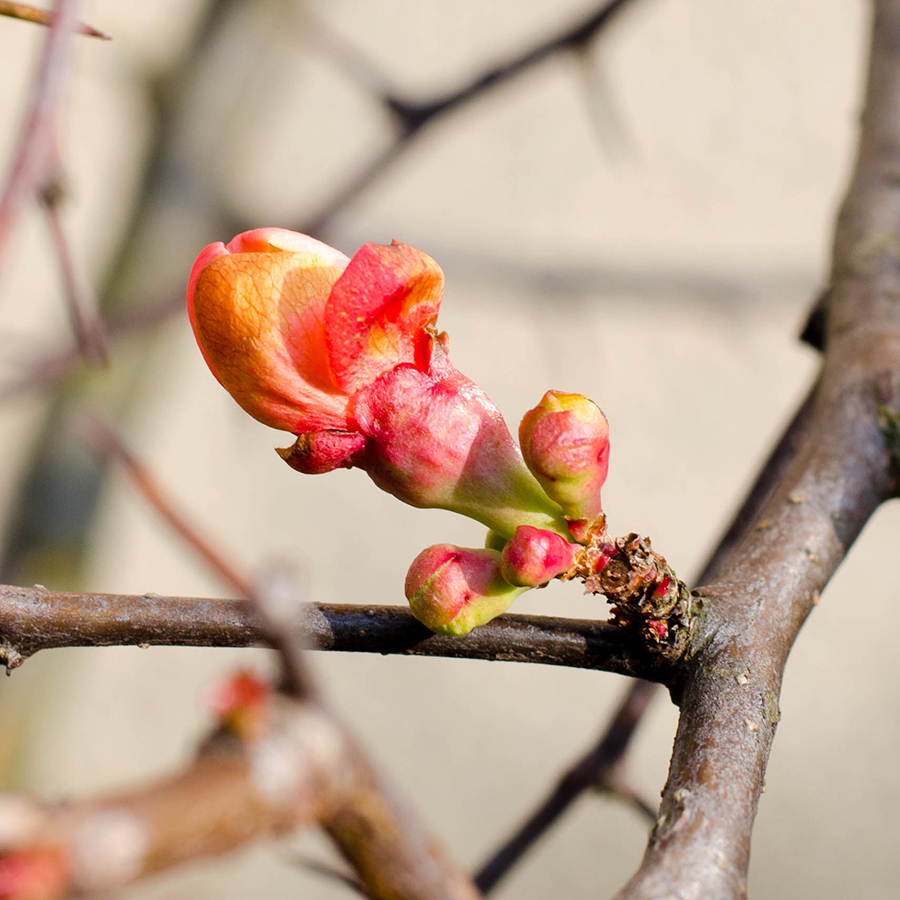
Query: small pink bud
<point>452,590</point>
<point>534,557</point>
<point>565,442</point>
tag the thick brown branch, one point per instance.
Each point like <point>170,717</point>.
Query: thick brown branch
<point>600,764</point>
<point>33,619</point>
<point>844,468</point>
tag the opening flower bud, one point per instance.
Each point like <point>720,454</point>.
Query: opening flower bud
<point>565,442</point>
<point>344,353</point>
<point>452,590</point>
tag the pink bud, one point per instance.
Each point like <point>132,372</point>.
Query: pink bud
<point>534,557</point>
<point>565,442</point>
<point>452,590</point>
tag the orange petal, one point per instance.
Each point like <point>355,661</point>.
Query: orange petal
<point>258,317</point>
<point>381,313</point>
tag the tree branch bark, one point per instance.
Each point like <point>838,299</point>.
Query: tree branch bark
<point>33,619</point>
<point>844,468</point>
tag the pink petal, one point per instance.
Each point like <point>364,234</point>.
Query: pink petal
<point>381,312</point>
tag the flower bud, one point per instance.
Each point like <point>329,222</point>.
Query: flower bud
<point>452,590</point>
<point>565,442</point>
<point>437,441</point>
<point>535,556</point>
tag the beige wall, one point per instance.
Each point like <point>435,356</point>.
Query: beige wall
<point>647,227</point>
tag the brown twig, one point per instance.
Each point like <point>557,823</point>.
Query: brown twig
<point>35,146</point>
<point>81,301</point>
<point>412,117</point>
<point>104,440</point>
<point>276,598</point>
<point>43,17</point>
<point>34,619</point>
<point>51,366</point>
<point>581,777</point>
<point>845,465</point>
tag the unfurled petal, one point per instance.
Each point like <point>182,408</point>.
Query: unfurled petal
<point>452,590</point>
<point>258,315</point>
<point>534,556</point>
<point>381,313</point>
<point>274,240</point>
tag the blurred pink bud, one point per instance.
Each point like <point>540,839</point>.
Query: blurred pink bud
<point>241,703</point>
<point>565,442</point>
<point>535,556</point>
<point>34,873</point>
<point>452,590</point>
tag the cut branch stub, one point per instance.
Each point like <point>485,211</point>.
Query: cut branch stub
<point>643,591</point>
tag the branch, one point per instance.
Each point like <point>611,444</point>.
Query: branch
<point>42,17</point>
<point>845,466</point>
<point>581,777</point>
<point>412,117</point>
<point>39,132</point>
<point>304,769</point>
<point>599,766</point>
<point>33,619</point>
<point>50,367</point>
<point>104,440</point>
<point>84,313</point>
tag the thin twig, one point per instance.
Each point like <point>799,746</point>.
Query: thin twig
<point>104,440</point>
<point>276,598</point>
<point>413,117</point>
<point>579,778</point>
<point>81,301</point>
<point>44,17</point>
<point>39,132</point>
<point>48,368</point>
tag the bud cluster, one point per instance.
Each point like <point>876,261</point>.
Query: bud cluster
<point>345,354</point>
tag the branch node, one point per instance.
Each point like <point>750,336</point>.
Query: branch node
<point>11,657</point>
